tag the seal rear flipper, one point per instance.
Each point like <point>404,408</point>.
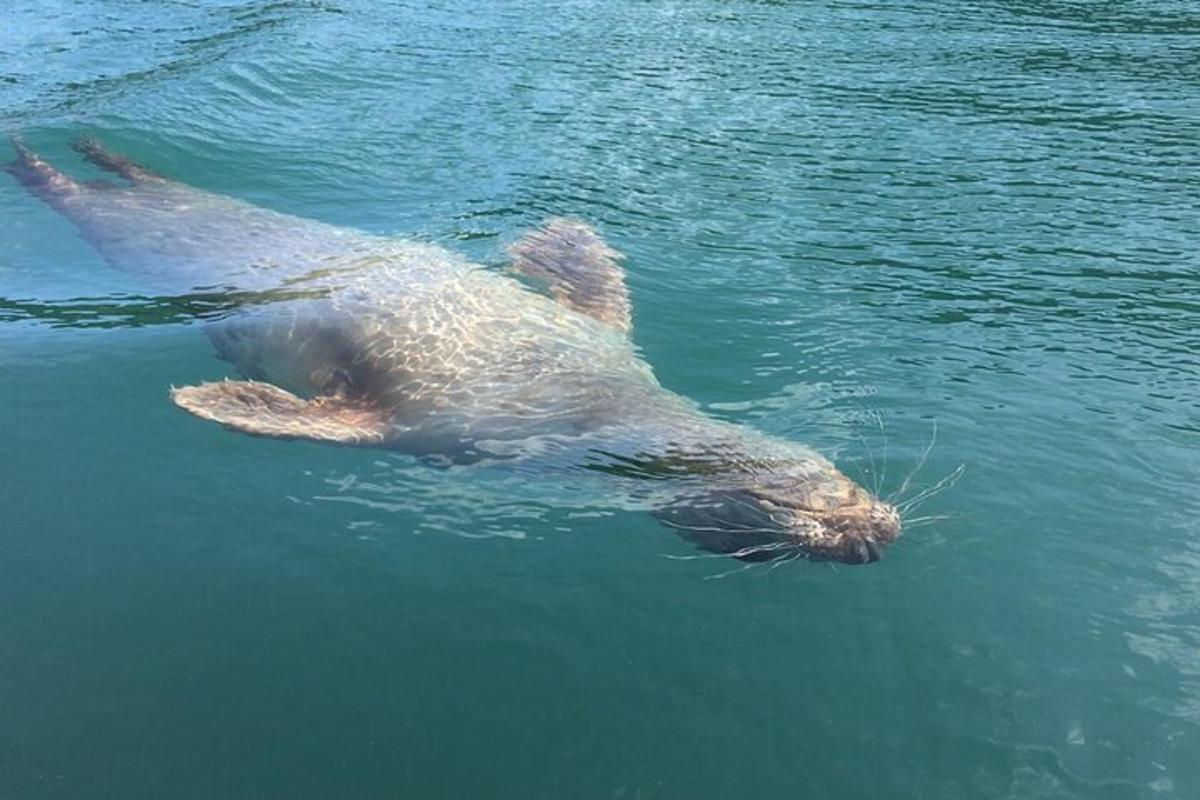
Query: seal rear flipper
<point>578,268</point>
<point>94,152</point>
<point>262,409</point>
<point>42,180</point>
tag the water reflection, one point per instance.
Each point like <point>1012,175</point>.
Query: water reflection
<point>844,221</point>
<point>136,311</point>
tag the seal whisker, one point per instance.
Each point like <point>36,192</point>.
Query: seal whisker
<point>932,491</point>
<point>718,576</point>
<point>696,557</point>
<point>762,548</point>
<point>742,553</point>
<point>776,564</point>
<point>871,457</point>
<point>757,510</point>
<point>918,521</point>
<point>726,525</point>
<point>779,562</point>
<point>746,551</point>
<point>924,523</point>
<point>697,528</point>
<point>883,433</point>
<point>743,503</point>
<point>693,556</point>
<point>920,464</point>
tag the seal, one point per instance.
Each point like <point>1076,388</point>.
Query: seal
<point>364,340</point>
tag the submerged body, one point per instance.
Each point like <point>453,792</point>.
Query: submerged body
<point>363,340</point>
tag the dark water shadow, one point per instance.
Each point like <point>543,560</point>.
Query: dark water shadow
<point>137,311</point>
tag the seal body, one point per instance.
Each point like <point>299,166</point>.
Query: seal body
<point>349,338</point>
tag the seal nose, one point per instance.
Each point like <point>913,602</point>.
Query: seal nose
<point>847,549</point>
<point>855,536</point>
<point>871,551</point>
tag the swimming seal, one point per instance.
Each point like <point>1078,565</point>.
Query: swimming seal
<point>356,339</point>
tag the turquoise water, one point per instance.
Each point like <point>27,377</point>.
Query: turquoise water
<point>881,229</point>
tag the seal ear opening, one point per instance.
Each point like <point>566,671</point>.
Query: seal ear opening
<point>261,409</point>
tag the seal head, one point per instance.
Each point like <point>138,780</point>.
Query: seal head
<point>818,514</point>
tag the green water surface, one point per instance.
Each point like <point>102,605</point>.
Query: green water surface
<point>868,226</point>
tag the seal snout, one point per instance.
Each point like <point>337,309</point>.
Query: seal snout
<point>835,522</point>
<point>855,535</point>
<point>827,516</point>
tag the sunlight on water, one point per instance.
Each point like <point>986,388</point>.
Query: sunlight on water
<point>953,249</point>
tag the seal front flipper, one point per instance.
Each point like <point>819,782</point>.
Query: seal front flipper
<point>578,268</point>
<point>262,409</point>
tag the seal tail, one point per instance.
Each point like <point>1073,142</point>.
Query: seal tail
<point>40,179</point>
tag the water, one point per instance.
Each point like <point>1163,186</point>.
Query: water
<point>849,224</point>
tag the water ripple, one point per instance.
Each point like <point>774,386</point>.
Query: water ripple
<point>848,223</point>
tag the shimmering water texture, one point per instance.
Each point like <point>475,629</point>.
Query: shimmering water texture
<point>952,249</point>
